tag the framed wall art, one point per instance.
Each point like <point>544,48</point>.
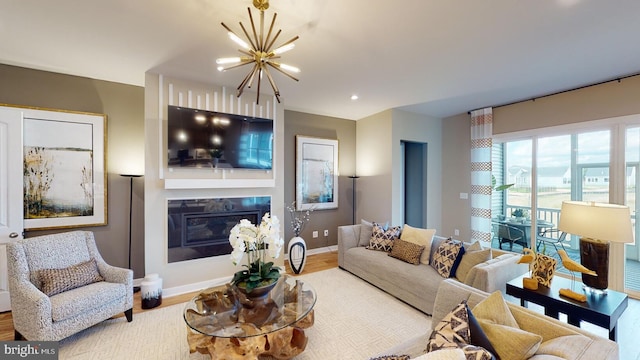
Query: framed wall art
<point>64,169</point>
<point>316,173</point>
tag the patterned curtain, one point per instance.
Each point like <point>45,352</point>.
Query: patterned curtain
<point>481,141</point>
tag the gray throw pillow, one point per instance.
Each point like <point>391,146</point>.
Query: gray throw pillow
<point>366,229</point>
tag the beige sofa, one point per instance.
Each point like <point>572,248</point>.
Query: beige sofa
<point>417,284</point>
<point>559,340</point>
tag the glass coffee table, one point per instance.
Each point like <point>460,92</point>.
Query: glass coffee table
<point>226,324</point>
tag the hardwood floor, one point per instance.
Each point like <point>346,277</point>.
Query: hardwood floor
<point>629,322</point>
<point>315,263</point>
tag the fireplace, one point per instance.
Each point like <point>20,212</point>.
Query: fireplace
<point>199,228</point>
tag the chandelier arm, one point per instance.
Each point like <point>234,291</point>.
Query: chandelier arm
<point>282,71</point>
<point>244,82</point>
<point>249,53</point>
<point>246,62</point>
<point>258,91</point>
<point>255,34</point>
<point>253,75</point>
<point>261,30</point>
<point>253,46</point>
<point>273,84</point>
<point>273,22</point>
<point>274,39</point>
<point>285,44</point>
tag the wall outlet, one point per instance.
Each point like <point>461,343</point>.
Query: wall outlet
<point>314,234</point>
<point>326,233</point>
<point>456,232</point>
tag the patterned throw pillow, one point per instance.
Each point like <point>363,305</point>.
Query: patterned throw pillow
<point>453,332</point>
<point>445,257</point>
<point>382,239</point>
<point>406,251</point>
<point>55,281</point>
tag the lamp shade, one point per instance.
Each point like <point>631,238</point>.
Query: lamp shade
<point>598,221</point>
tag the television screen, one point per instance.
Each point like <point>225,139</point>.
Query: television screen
<point>209,139</point>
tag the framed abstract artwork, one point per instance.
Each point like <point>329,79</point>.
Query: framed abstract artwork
<point>64,161</point>
<point>316,173</point>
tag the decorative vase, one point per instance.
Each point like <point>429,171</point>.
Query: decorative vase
<point>297,254</point>
<point>544,267</point>
<point>151,291</point>
<point>258,293</point>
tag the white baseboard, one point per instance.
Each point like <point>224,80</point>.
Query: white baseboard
<point>183,289</point>
<point>330,248</point>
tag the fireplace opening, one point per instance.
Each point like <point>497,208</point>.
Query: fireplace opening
<point>199,228</point>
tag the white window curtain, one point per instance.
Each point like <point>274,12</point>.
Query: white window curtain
<point>481,141</point>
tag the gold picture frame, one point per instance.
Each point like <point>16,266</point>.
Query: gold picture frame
<point>64,163</point>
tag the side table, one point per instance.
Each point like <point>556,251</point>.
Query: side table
<point>600,309</point>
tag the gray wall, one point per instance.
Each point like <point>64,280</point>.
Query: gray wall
<point>298,123</point>
<point>124,107</point>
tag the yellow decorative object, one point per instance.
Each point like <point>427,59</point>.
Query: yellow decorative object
<point>573,265</point>
<point>529,283</point>
<point>573,295</point>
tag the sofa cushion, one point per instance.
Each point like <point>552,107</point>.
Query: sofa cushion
<point>419,236</point>
<point>416,285</point>
<point>568,347</point>
<point>444,259</point>
<point>55,281</point>
<point>469,260</point>
<point>406,251</point>
<point>444,354</point>
<point>85,299</point>
<point>382,239</point>
<point>366,229</point>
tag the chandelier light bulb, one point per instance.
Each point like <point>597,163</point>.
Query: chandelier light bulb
<point>289,68</point>
<point>229,60</point>
<point>239,41</point>
<point>284,48</point>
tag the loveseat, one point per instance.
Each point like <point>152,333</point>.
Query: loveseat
<point>558,340</point>
<point>417,284</point>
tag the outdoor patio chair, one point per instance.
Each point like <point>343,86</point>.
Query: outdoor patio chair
<point>553,237</point>
<point>512,235</point>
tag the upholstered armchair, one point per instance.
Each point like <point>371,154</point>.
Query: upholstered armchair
<point>59,285</point>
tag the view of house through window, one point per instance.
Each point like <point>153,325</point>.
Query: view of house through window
<point>567,167</point>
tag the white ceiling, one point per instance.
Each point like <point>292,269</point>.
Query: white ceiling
<point>436,57</point>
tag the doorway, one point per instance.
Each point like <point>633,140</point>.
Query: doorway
<point>415,183</point>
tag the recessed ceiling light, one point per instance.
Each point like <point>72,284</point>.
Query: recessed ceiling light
<point>354,97</point>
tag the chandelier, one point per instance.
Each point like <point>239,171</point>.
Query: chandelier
<point>258,52</point>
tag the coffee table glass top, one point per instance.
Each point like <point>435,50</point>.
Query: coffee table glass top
<point>223,311</point>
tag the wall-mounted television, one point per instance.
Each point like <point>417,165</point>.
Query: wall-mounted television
<point>208,139</point>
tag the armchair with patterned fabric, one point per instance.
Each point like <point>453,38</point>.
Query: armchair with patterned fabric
<point>59,285</point>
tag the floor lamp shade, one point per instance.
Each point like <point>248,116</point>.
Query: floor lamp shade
<point>597,224</point>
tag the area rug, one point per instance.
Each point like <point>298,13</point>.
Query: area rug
<point>353,320</point>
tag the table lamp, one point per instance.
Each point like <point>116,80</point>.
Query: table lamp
<point>597,224</point>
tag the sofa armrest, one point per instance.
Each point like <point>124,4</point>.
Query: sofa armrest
<point>494,274</point>
<point>348,237</point>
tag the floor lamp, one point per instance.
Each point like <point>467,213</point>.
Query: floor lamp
<point>353,198</point>
<point>135,288</point>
